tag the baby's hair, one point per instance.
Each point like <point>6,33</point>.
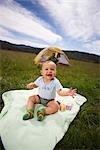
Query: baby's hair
<point>47,62</point>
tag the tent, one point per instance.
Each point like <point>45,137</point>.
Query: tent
<point>51,53</point>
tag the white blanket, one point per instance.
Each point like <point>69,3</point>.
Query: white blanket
<point>17,134</point>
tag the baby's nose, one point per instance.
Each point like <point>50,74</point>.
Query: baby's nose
<point>50,70</point>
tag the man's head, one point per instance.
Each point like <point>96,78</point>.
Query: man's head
<point>48,70</point>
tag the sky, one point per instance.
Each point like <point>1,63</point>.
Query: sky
<point>66,24</point>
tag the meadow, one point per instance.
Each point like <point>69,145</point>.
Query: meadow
<point>17,69</point>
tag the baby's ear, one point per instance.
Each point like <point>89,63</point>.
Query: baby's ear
<point>55,73</point>
<point>41,72</point>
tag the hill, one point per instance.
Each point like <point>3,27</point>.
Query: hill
<point>18,69</point>
<point>71,54</point>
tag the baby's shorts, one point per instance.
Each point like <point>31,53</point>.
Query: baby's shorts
<point>44,101</point>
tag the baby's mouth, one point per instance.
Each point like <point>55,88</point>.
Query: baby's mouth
<point>49,75</point>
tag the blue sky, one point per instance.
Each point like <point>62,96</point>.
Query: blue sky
<point>67,24</point>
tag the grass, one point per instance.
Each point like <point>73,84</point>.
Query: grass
<point>18,69</point>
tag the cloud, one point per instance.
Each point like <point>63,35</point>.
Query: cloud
<point>96,21</point>
<point>23,21</point>
<point>94,46</point>
<point>76,18</point>
<point>74,22</point>
<point>13,38</point>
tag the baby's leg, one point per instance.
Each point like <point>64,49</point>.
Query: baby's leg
<point>52,107</point>
<point>32,101</point>
<point>30,107</point>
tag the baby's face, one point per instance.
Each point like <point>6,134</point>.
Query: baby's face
<point>48,70</point>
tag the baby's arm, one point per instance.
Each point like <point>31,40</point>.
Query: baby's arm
<point>70,92</point>
<point>31,85</point>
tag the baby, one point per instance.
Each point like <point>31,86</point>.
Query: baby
<point>48,85</point>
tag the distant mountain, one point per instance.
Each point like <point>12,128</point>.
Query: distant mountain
<point>83,56</point>
<point>14,47</point>
<point>71,54</point>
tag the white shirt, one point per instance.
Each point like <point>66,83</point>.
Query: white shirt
<point>48,91</point>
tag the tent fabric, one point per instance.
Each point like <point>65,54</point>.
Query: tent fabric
<point>46,53</point>
<point>17,134</point>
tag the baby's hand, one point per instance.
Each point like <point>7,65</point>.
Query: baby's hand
<point>30,85</point>
<point>72,92</point>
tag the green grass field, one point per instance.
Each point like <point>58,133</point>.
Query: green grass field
<point>17,69</point>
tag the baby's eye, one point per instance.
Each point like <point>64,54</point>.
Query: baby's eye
<point>52,69</point>
<point>46,69</point>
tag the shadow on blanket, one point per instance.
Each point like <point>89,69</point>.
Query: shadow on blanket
<point>17,134</point>
<point>1,145</point>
